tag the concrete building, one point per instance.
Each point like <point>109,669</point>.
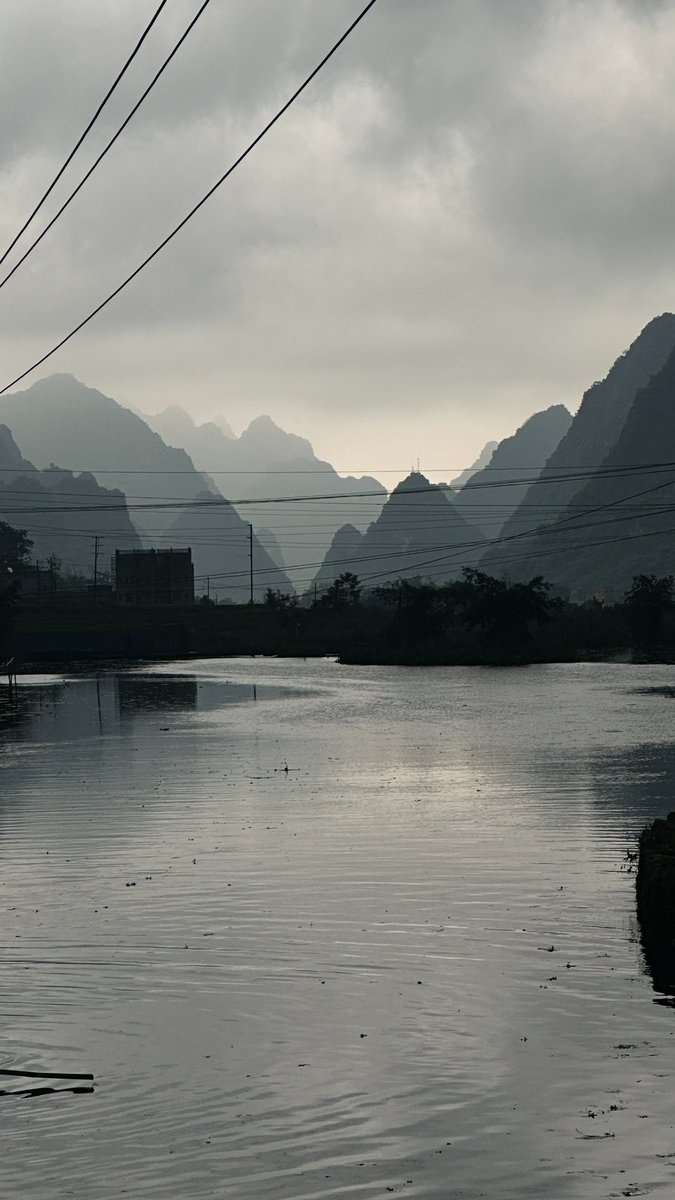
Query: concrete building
<point>153,577</point>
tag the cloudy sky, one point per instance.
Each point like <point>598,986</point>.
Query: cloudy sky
<point>467,216</point>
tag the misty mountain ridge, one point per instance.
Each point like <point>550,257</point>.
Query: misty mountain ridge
<point>594,431</point>
<point>59,419</point>
<point>492,494</point>
<point>482,461</point>
<point>619,525</point>
<point>262,447</point>
<point>53,530</point>
<point>12,461</point>
<point>177,428</point>
<point>420,532</point>
<point>342,555</point>
<point>266,462</point>
<point>221,552</point>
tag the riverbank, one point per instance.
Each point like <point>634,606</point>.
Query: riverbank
<point>60,633</point>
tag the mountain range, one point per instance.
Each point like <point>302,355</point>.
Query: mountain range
<point>62,512</point>
<point>420,532</point>
<point>585,500</point>
<point>265,463</point>
<point>492,494</point>
<point>581,453</point>
<point>60,419</point>
<point>621,522</point>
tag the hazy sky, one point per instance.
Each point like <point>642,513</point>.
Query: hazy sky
<point>466,217</point>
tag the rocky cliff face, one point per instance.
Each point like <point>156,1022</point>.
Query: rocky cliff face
<point>418,533</point>
<point>12,462</point>
<point>61,420</point>
<point>621,523</point>
<point>267,462</point>
<point>491,495</point>
<point>482,461</point>
<point>63,513</point>
<point>593,433</point>
<point>176,427</point>
<point>342,556</point>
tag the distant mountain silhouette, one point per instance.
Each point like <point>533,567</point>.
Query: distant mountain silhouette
<point>55,531</point>
<point>593,433</point>
<point>219,540</point>
<point>341,556</point>
<point>419,532</point>
<point>491,495</point>
<point>202,442</point>
<point>624,525</point>
<point>12,462</point>
<point>270,544</point>
<point>482,461</point>
<point>266,462</point>
<point>61,420</point>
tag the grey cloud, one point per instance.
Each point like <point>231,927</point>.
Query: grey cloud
<point>463,189</point>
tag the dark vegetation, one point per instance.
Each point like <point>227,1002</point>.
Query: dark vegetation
<point>477,619</point>
<point>655,893</point>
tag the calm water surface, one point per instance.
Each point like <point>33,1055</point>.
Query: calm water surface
<point>325,932</point>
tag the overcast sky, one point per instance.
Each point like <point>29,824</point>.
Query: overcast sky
<point>467,217</point>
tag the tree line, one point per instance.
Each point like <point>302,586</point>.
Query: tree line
<point>482,618</point>
<point>474,619</point>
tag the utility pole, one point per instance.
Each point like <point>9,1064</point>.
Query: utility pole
<point>250,560</point>
<point>97,541</point>
<point>208,587</point>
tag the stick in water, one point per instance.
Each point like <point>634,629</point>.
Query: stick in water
<point>44,1075</point>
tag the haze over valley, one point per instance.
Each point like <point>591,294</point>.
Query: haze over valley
<point>531,506</point>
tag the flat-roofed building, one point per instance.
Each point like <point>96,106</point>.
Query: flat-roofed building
<point>153,577</point>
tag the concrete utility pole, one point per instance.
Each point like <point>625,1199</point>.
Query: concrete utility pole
<point>97,541</point>
<point>250,559</point>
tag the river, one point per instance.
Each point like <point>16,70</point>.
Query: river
<point>323,931</point>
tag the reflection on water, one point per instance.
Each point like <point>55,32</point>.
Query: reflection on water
<point>370,935</point>
<point>141,692</point>
<point>81,707</point>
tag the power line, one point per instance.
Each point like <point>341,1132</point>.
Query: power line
<point>629,537</point>
<point>553,528</point>
<point>415,566</point>
<point>80,140</point>
<point>433,490</point>
<point>107,147</point>
<point>459,549</point>
<point>581,472</point>
<point>199,204</point>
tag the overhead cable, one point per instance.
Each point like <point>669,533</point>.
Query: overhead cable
<point>83,135</point>
<point>196,207</point>
<point>106,148</point>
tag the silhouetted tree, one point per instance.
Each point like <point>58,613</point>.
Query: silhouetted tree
<point>504,610</point>
<point>15,546</point>
<point>343,592</point>
<point>14,551</point>
<point>420,607</point>
<point>279,600</point>
<point>648,600</point>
